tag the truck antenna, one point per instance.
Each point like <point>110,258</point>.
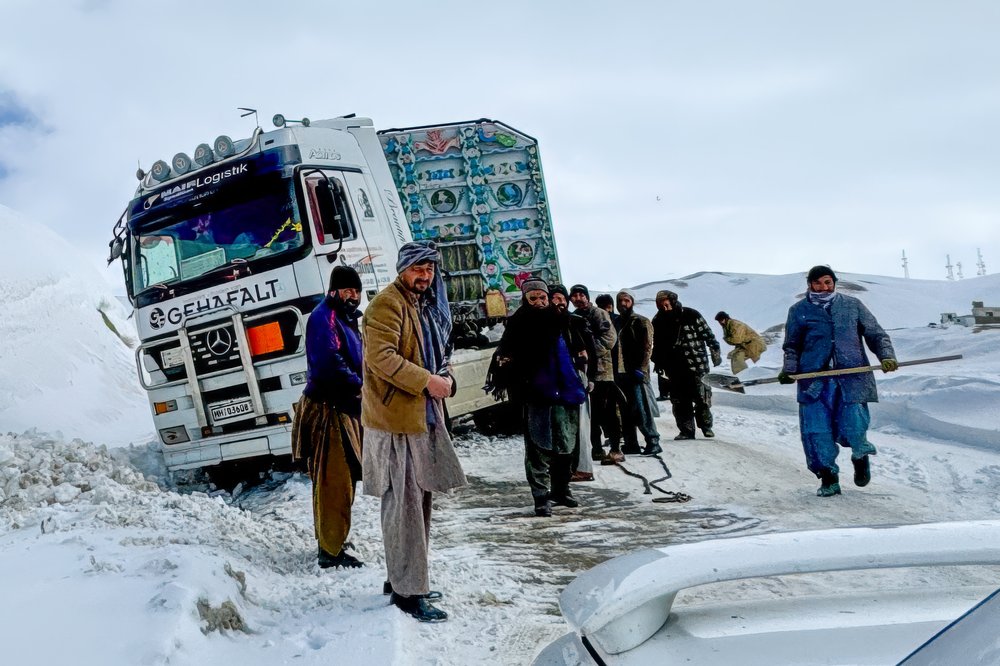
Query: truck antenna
<point>248,112</point>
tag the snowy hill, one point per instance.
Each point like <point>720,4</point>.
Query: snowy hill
<point>62,367</point>
<point>763,300</point>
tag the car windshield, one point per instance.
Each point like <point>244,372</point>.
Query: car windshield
<point>186,246</point>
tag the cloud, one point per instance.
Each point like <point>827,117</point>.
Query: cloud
<point>762,127</point>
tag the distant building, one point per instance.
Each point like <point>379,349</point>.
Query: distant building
<point>985,315</point>
<point>980,315</point>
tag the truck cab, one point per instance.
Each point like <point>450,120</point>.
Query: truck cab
<point>226,254</point>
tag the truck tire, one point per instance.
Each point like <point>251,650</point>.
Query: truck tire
<point>501,419</point>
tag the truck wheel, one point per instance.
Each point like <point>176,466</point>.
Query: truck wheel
<point>502,419</point>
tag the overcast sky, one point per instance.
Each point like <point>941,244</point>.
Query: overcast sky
<point>743,136</point>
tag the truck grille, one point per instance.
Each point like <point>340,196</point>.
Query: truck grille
<point>214,350</point>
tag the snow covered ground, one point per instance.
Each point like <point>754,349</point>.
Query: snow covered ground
<point>105,562</point>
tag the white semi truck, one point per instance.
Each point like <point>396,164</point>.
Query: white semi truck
<point>225,254</point>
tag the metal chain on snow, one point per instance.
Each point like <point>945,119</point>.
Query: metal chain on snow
<point>669,495</point>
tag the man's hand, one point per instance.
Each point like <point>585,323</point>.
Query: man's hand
<point>590,387</point>
<point>716,358</point>
<point>890,365</point>
<point>785,378</point>
<point>439,387</point>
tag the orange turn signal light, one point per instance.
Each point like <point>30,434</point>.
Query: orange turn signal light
<point>265,339</point>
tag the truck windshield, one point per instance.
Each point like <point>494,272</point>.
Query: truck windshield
<point>203,238</point>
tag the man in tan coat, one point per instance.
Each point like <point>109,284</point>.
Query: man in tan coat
<point>407,452</point>
<point>747,342</point>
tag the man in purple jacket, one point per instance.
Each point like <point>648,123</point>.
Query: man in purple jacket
<point>327,432</point>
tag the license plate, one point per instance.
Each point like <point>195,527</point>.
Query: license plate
<point>227,411</point>
<point>172,357</point>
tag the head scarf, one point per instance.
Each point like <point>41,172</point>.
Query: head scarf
<point>435,299</point>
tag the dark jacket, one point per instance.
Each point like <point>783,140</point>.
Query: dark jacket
<point>333,356</point>
<point>580,329</point>
<point>635,338</point>
<point>679,340</point>
<point>816,339</point>
<point>541,348</point>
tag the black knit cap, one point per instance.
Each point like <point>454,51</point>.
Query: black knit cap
<point>816,272</point>
<point>579,289</point>
<point>344,277</point>
<point>722,316</point>
<point>558,289</point>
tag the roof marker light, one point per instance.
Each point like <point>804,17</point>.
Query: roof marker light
<point>278,120</point>
<point>160,170</point>
<point>182,163</point>
<point>224,146</point>
<point>203,155</point>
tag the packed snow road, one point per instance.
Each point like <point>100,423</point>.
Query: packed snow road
<point>196,579</point>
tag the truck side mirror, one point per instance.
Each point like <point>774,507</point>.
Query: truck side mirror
<point>117,247</point>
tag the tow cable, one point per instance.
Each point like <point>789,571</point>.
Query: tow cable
<point>669,495</point>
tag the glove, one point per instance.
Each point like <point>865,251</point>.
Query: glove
<point>716,359</point>
<point>785,378</point>
<point>890,365</point>
<point>639,376</point>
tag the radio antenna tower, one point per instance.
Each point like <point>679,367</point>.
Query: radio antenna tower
<point>958,265</point>
<point>906,267</point>
<point>980,264</point>
<point>951,275</point>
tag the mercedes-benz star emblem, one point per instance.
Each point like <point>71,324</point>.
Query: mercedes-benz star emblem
<point>219,342</point>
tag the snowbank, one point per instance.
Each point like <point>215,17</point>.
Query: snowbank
<point>65,361</point>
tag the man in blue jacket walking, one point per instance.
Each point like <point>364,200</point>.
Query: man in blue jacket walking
<point>824,331</point>
<point>327,432</point>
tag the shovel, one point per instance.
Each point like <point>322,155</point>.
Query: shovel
<point>731,383</point>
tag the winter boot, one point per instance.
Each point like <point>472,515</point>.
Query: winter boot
<point>708,432</point>
<point>685,434</point>
<point>543,507</point>
<point>342,559</point>
<point>631,448</point>
<point>613,458</point>
<point>830,485</point>
<point>566,500</point>
<point>579,476</point>
<point>432,595</point>
<point>862,471</point>
<point>651,450</point>
<point>418,607</point>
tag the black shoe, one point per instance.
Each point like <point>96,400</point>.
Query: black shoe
<point>326,561</point>
<point>565,500</point>
<point>543,508</point>
<point>862,471</point>
<point>707,432</point>
<point>685,435</point>
<point>433,595</point>
<point>651,450</point>
<point>830,485</point>
<point>418,607</point>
